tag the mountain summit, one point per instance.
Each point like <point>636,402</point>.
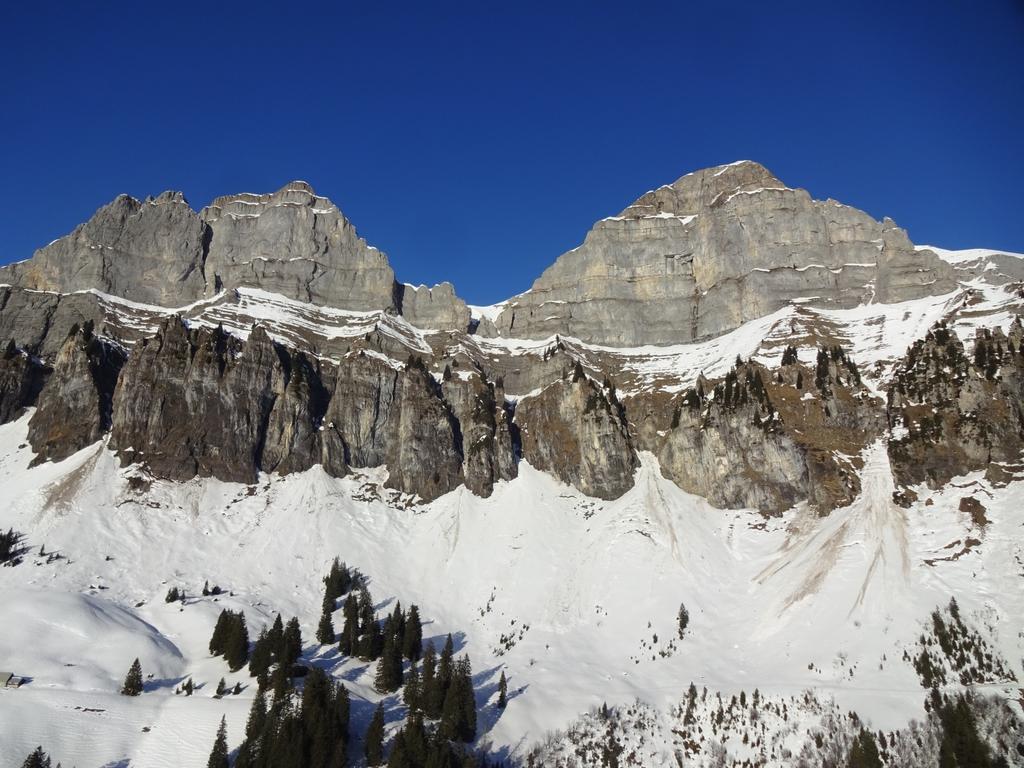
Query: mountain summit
<point>718,247</point>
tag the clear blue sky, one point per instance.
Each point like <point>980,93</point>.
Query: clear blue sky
<point>475,142</point>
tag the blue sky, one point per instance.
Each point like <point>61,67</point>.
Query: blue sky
<point>476,142</point>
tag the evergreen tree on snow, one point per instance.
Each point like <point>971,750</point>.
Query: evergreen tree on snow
<point>864,752</point>
<point>291,644</point>
<point>275,637</point>
<point>502,691</point>
<point>236,643</point>
<point>458,715</point>
<point>325,629</point>
<point>432,698</point>
<point>133,680</point>
<point>389,667</point>
<point>412,638</point>
<point>350,629</point>
<point>373,749</point>
<point>683,619</point>
<point>37,759</point>
<point>398,625</point>
<point>219,753</point>
<point>262,655</point>
<point>218,639</point>
<point>249,752</point>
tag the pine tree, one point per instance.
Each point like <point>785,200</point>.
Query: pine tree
<point>37,759</point>
<point>412,638</point>
<point>370,640</point>
<point>342,709</point>
<point>281,681</point>
<point>221,687</point>
<point>275,637</point>
<point>338,581</point>
<point>446,664</point>
<point>374,747</point>
<point>464,671</point>
<point>350,630</point>
<point>325,630</point>
<point>398,626</point>
<point>413,693</point>
<point>691,700</point>
<point>218,639</point>
<point>261,657</point>
<point>189,687</point>
<point>399,757</point>
<point>219,753</point>
<point>458,716</point>
<point>206,589</point>
<point>291,643</point>
<point>236,642</point>
<point>237,689</point>
<point>502,691</point>
<point>389,668</point>
<point>133,680</point>
<point>417,742</point>
<point>961,743</point>
<point>432,698</point>
<point>864,752</point>
<point>683,619</point>
<point>249,751</point>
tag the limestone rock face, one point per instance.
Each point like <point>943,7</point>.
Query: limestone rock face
<point>436,307</point>
<point>39,322</point>
<point>950,414</point>
<point>292,441</point>
<point>150,251</point>
<point>291,242</point>
<point>74,407</point>
<point>717,248</point>
<point>298,244</point>
<point>21,380</point>
<point>766,440</point>
<point>380,415</point>
<point>487,431</point>
<point>577,432</point>
<point>196,402</point>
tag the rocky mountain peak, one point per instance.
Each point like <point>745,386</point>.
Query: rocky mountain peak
<point>715,249</point>
<point>291,242</point>
<point>169,196</point>
<point>698,190</point>
<point>297,194</point>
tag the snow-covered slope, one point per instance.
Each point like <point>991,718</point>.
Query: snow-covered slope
<point>574,599</point>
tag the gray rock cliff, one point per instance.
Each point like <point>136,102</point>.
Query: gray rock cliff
<point>74,407</point>
<point>577,430</point>
<point>950,413</point>
<point>148,251</point>
<point>715,249</point>
<point>21,380</point>
<point>291,242</point>
<point>767,440</point>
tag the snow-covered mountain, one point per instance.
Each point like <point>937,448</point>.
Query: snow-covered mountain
<point>774,412</point>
